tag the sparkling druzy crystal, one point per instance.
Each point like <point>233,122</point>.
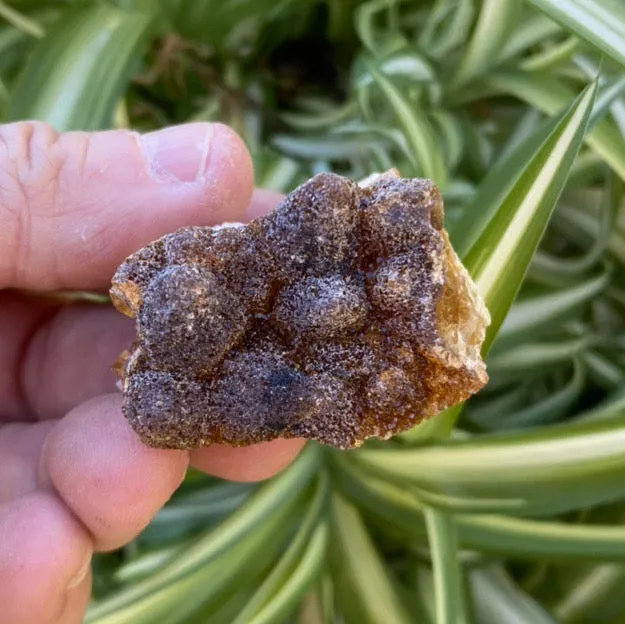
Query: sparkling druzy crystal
<point>343,314</point>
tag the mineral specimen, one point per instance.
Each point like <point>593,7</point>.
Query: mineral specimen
<point>343,314</point>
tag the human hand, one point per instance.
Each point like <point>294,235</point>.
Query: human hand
<point>74,478</point>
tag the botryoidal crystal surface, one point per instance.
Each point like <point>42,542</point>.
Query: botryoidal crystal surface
<point>343,314</point>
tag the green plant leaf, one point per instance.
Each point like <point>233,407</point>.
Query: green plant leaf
<point>78,71</point>
<point>607,97</point>
<point>495,188</point>
<point>299,581</point>
<point>417,129</point>
<point>406,68</point>
<point>612,406</point>
<point>397,508</point>
<point>194,511</point>
<point>147,564</point>
<point>20,21</point>
<point>500,257</point>
<point>362,570</point>
<point>603,372</point>
<point>532,539</point>
<point>329,147</point>
<point>534,29</point>
<point>226,24</point>
<point>446,27</point>
<point>296,570</point>
<point>545,471</point>
<point>551,269</point>
<point>547,410</point>
<point>538,312</point>
<point>549,95</point>
<point>597,596</point>
<point>488,411</point>
<point>599,22</point>
<point>448,588</point>
<point>497,599</point>
<point>495,20</point>
<point>316,120</point>
<point>377,43</point>
<point>523,358</point>
<point>510,165</point>
<point>582,228</point>
<point>551,57</point>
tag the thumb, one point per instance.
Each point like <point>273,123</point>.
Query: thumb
<point>73,205</point>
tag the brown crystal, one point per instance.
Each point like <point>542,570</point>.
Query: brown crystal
<point>343,314</point>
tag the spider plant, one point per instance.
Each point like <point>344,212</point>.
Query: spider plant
<point>508,509</point>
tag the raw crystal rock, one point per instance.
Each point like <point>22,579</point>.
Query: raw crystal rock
<point>343,314</point>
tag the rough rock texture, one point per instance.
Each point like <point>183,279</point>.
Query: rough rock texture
<point>343,314</point>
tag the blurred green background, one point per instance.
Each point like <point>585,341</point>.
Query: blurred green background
<point>508,509</point>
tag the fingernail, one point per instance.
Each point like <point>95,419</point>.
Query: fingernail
<point>178,153</point>
<point>79,577</point>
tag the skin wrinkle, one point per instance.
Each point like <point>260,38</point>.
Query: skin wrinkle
<point>21,362</point>
<point>58,167</point>
<point>43,477</point>
<point>78,591</point>
<point>13,401</point>
<point>44,330</point>
<point>72,165</point>
<point>10,208</point>
<point>93,229</point>
<point>20,446</point>
<point>43,193</point>
<point>135,140</point>
<point>25,209</point>
<point>84,156</point>
<point>14,473</point>
<point>138,153</point>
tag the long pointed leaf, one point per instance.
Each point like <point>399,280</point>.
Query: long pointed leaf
<point>501,256</point>
<point>397,508</point>
<point>600,22</point>
<point>307,547</point>
<point>497,599</point>
<point>80,68</point>
<point>549,95</point>
<point>448,589</point>
<point>545,471</point>
<point>417,129</point>
<point>534,313</point>
<point>362,570</point>
<point>493,23</point>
